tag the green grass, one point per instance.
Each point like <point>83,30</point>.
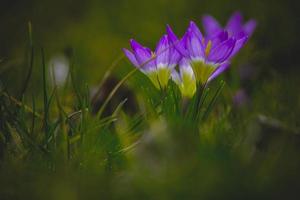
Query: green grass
<point>54,147</point>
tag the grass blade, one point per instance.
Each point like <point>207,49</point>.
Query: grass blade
<point>31,61</point>
<point>214,99</point>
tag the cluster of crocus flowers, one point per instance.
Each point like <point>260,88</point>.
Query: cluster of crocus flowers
<point>158,64</point>
<point>200,58</point>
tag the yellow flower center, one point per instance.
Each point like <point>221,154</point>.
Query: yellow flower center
<point>202,71</point>
<point>188,85</point>
<point>160,77</point>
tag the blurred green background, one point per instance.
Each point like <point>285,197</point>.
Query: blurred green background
<point>97,30</point>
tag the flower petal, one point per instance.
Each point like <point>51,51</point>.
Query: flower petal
<point>178,44</point>
<point>221,52</point>
<point>188,81</point>
<point>185,67</point>
<point>194,45</point>
<point>174,57</point>
<point>238,45</point>
<point>162,51</point>
<point>249,27</point>
<point>149,65</point>
<point>210,25</point>
<point>240,35</point>
<point>234,24</point>
<point>141,53</point>
<point>219,70</point>
<point>196,30</point>
<point>131,57</point>
<point>175,77</point>
<point>218,38</point>
<point>143,56</point>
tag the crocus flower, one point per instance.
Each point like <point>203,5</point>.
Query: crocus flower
<point>185,78</point>
<point>157,65</point>
<point>234,26</point>
<point>208,56</point>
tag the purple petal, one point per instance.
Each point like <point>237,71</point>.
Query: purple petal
<point>174,57</point>
<point>184,63</point>
<point>131,57</point>
<point>143,56</point>
<point>210,25</point>
<point>219,70</point>
<point>196,30</point>
<point>238,45</point>
<point>149,65</point>
<point>148,50</point>
<point>240,35</point>
<point>178,44</point>
<point>221,52</point>
<point>249,27</point>
<point>218,38</point>
<point>162,51</point>
<point>194,45</point>
<point>234,24</point>
<point>141,53</point>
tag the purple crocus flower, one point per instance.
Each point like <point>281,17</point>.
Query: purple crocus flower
<point>208,56</point>
<point>234,26</point>
<point>156,65</point>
